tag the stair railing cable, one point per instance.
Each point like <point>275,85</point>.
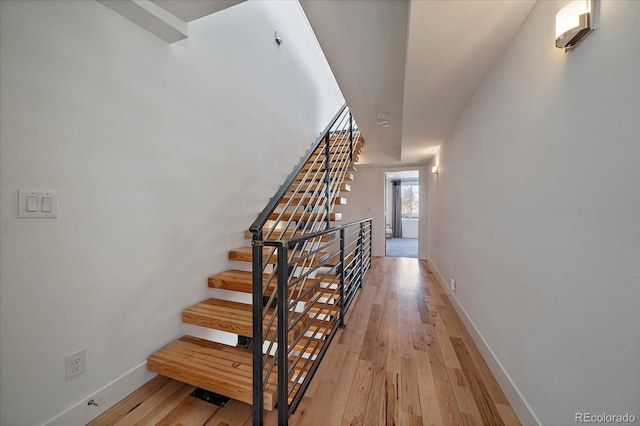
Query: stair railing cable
<point>292,229</point>
<point>318,220</point>
<point>270,361</point>
<point>290,386</point>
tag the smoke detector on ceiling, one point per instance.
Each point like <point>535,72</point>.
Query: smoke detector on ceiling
<point>383,119</point>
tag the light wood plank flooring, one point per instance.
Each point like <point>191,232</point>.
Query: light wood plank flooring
<point>405,358</point>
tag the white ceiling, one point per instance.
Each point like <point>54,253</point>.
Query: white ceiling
<point>419,61</point>
<point>166,19</point>
<point>364,43</point>
<point>190,10</point>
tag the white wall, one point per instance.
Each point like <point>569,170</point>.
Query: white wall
<point>410,228</point>
<point>162,154</point>
<point>433,208</point>
<point>388,202</point>
<point>366,199</point>
<point>536,212</point>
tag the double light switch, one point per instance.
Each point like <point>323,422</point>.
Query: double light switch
<point>32,204</point>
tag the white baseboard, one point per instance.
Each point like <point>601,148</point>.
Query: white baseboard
<point>519,405</point>
<point>107,397</point>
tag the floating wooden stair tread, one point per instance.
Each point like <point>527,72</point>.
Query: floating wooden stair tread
<point>224,315</point>
<point>244,254</point>
<point>354,159</point>
<point>242,281</point>
<point>314,177</point>
<point>357,137</point>
<point>213,366</point>
<point>321,166</point>
<point>233,280</point>
<point>322,326</point>
<point>232,317</point>
<point>337,151</point>
<point>344,187</point>
<point>309,199</point>
<point>287,235</point>
<point>324,309</point>
<point>342,141</point>
<point>338,148</point>
<point>300,346</point>
<point>297,375</point>
<point>332,281</point>
<point>322,296</point>
<point>334,151</point>
<point>301,215</point>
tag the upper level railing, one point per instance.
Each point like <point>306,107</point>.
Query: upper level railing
<point>305,273</point>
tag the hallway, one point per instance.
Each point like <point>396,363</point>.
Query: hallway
<point>404,358</point>
<point>402,247</point>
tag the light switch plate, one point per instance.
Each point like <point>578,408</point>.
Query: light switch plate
<point>43,210</point>
<point>32,204</point>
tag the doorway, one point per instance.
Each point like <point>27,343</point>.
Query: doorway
<point>402,202</point>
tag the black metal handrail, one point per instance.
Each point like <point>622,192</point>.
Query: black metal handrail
<point>257,225</point>
<point>292,242</point>
<point>349,275</point>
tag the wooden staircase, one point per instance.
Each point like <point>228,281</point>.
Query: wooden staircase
<point>227,370</point>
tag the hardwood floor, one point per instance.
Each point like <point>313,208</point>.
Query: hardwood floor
<point>404,358</point>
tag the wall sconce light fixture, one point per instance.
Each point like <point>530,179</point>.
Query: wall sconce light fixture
<point>574,22</point>
<point>435,170</point>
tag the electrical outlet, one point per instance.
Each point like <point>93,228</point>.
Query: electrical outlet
<point>75,364</point>
<point>453,284</point>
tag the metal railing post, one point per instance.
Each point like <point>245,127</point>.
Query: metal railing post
<point>327,178</point>
<point>350,137</point>
<point>283,325</point>
<point>258,403</point>
<point>361,252</point>
<point>370,242</point>
<point>342,324</point>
